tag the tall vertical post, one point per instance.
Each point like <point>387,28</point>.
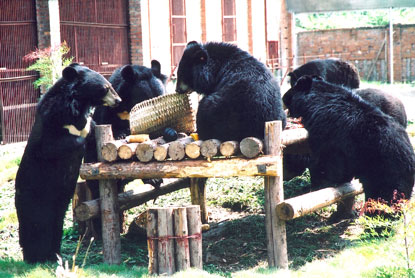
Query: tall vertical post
<point>274,194</point>
<point>108,193</point>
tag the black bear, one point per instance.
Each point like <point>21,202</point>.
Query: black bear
<point>388,103</point>
<point>239,93</point>
<point>350,137</point>
<point>49,168</point>
<point>340,72</point>
<point>332,70</point>
<point>134,84</point>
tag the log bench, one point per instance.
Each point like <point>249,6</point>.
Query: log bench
<point>268,166</point>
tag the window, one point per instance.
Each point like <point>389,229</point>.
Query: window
<point>228,21</point>
<point>178,30</point>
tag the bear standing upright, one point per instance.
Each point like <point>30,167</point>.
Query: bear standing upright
<point>350,137</point>
<point>49,168</point>
<point>239,93</point>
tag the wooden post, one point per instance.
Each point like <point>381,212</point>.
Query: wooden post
<point>111,240</point>
<point>195,242</point>
<point>165,252</point>
<point>182,254</point>
<point>274,194</point>
<point>198,196</point>
<point>151,241</point>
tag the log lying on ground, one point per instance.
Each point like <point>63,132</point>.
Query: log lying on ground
<point>90,209</point>
<point>192,149</point>
<point>251,147</point>
<point>229,148</point>
<point>265,165</point>
<point>295,141</point>
<point>210,148</point>
<point>304,204</point>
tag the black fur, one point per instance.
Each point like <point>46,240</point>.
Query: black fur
<point>239,93</point>
<point>49,168</point>
<point>332,70</point>
<point>350,137</point>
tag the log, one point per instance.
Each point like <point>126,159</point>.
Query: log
<point>192,149</point>
<point>109,150</point>
<point>274,194</point>
<point>295,141</point>
<point>307,203</point>
<point>126,200</point>
<point>145,151</point>
<point>293,136</point>
<point>151,241</point>
<point>176,148</point>
<point>127,151</point>
<point>161,152</point>
<point>182,241</point>
<point>229,148</point>
<point>251,147</point>
<point>198,196</point>
<point>195,242</point>
<point>261,166</point>
<point>165,252</point>
<point>210,148</point>
<point>111,241</point>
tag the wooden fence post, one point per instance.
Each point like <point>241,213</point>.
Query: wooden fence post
<point>198,196</point>
<point>274,194</point>
<point>108,192</point>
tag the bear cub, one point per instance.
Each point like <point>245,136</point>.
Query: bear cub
<point>239,93</point>
<point>49,169</point>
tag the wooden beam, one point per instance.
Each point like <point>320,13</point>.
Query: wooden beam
<point>274,194</point>
<point>111,241</point>
<point>267,165</point>
<point>307,203</point>
<point>126,200</point>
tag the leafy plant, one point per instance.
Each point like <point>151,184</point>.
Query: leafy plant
<point>49,63</point>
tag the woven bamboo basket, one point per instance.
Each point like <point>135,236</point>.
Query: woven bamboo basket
<point>154,115</point>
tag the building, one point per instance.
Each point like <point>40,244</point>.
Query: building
<point>105,34</point>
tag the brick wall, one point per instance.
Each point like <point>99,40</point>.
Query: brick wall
<point>43,28</point>
<point>136,35</point>
<point>362,46</point>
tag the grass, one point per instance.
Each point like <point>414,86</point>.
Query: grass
<point>235,246</point>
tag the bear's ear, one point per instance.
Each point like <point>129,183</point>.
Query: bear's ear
<point>304,83</point>
<point>191,44</point>
<point>156,68</point>
<point>69,73</point>
<point>127,73</point>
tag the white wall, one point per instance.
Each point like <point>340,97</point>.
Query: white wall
<point>160,33</point>
<point>213,20</point>
<point>242,24</point>
<point>193,20</point>
<point>258,30</point>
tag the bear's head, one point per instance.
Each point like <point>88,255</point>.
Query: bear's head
<point>294,98</point>
<point>190,67</point>
<point>88,87</point>
<point>136,83</point>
